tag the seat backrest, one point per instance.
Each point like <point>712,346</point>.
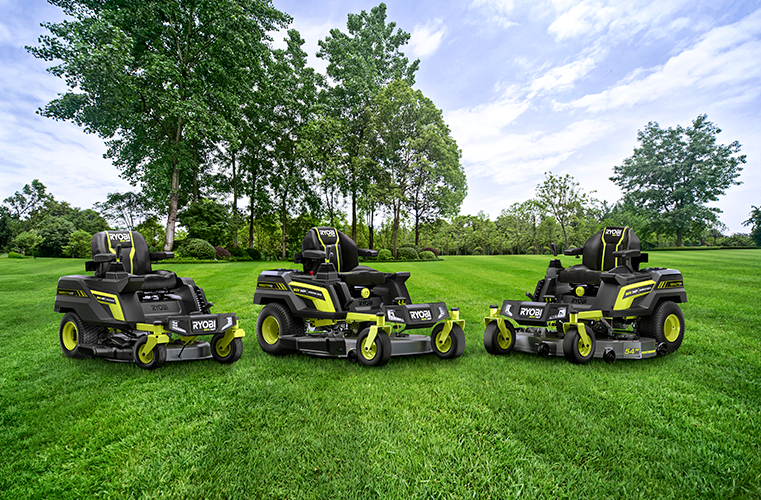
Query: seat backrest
<point>598,250</point>
<point>135,254</point>
<point>340,249</point>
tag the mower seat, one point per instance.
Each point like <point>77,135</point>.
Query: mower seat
<point>342,252</point>
<point>134,258</point>
<point>598,256</point>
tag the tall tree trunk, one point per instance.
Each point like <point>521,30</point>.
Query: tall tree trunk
<point>174,193</point>
<point>354,213</point>
<point>417,229</point>
<point>679,237</point>
<point>251,205</point>
<point>397,217</point>
<point>235,203</point>
<point>284,222</point>
<point>370,227</point>
<point>196,168</point>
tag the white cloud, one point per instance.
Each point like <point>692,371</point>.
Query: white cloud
<point>723,58</point>
<point>427,38</point>
<point>498,12</point>
<point>563,76</point>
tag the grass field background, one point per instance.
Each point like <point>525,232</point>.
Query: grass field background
<point>687,425</point>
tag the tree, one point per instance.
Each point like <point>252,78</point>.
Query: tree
<point>79,245</point>
<point>563,199</point>
<point>26,242</point>
<point>31,199</point>
<point>155,78</point>
<point>674,173</point>
<point>419,160</point>
<point>55,233</point>
<point>207,220</point>
<point>755,222</point>
<point>360,63</point>
<point>125,210</point>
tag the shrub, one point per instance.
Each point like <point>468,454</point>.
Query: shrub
<point>200,249</point>
<point>237,251</point>
<point>407,253</point>
<point>385,254</point>
<point>222,253</point>
<point>427,255</point>
<point>432,250</point>
<point>478,251</point>
<point>79,245</point>
<point>14,255</point>
<point>254,253</point>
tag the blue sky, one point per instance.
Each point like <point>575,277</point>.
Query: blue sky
<point>526,87</point>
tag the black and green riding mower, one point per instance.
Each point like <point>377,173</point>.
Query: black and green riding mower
<point>606,307</point>
<point>335,307</point>
<point>126,311</point>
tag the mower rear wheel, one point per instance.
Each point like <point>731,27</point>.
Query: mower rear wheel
<point>666,325</point>
<point>151,360</point>
<point>496,342</point>
<point>229,354</point>
<point>376,353</point>
<point>273,321</point>
<point>74,332</point>
<point>575,350</point>
<point>451,347</point>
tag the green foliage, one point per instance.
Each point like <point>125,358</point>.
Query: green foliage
<point>755,222</point>
<point>126,210</point>
<point>14,255</point>
<point>407,253</point>
<point>197,248</point>
<point>79,245</point>
<point>432,250</point>
<point>478,251</point>
<point>385,254</point>
<point>427,255</point>
<point>207,220</point>
<point>254,253</point>
<point>26,242</point>
<point>153,233</point>
<point>564,200</point>
<point>674,173</point>
<point>55,233</point>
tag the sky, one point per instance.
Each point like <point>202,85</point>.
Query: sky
<point>526,87</point>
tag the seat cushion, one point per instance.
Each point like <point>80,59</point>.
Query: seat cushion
<point>579,274</point>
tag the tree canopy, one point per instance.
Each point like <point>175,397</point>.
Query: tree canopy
<point>674,173</point>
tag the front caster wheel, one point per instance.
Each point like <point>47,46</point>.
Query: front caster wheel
<point>450,347</point>
<point>497,342</point>
<point>375,353</point>
<point>229,354</point>
<point>574,348</point>
<point>149,360</point>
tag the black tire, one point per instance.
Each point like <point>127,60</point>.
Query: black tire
<point>275,320</point>
<point>574,351</point>
<point>379,351</point>
<point>229,355</point>
<point>155,359</point>
<point>454,345</point>
<point>495,342</point>
<point>73,332</point>
<point>666,325</point>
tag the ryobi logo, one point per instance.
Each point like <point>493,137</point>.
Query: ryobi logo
<point>122,237</point>
<point>532,312</point>
<point>330,233</point>
<point>205,324</point>
<point>613,232</point>
<point>423,315</point>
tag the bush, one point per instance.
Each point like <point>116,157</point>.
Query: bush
<point>478,251</point>
<point>237,251</point>
<point>407,253</point>
<point>14,255</point>
<point>385,254</point>
<point>198,248</point>
<point>427,255</point>
<point>254,253</point>
<point>432,250</point>
<point>222,253</point>
<point>79,245</point>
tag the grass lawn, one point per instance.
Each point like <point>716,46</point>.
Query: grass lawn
<point>686,425</point>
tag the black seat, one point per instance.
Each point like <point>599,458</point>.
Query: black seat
<point>598,255</point>
<point>342,252</point>
<point>134,258</point>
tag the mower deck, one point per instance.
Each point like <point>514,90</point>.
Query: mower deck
<point>545,343</point>
<point>346,347</point>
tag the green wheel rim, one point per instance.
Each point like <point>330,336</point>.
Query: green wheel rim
<point>223,352</point>
<point>503,339</point>
<point>671,327</point>
<point>369,351</point>
<point>145,358</point>
<point>270,330</point>
<point>446,345</point>
<point>69,335</point>
<point>584,350</point>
